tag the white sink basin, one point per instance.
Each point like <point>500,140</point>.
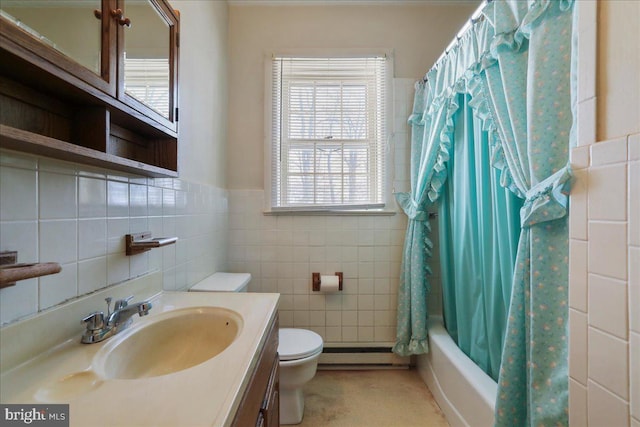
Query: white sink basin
<point>168,342</point>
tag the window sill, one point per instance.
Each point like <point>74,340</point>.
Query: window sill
<point>332,212</point>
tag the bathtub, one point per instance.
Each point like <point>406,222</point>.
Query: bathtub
<point>466,395</point>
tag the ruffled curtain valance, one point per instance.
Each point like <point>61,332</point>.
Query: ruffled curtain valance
<point>506,27</point>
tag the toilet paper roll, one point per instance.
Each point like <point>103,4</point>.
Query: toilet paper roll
<point>329,284</point>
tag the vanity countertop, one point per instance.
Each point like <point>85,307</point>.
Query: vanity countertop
<point>206,394</point>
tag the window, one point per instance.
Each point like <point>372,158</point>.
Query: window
<point>328,133</point>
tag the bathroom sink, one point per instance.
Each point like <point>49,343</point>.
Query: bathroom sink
<point>168,342</point>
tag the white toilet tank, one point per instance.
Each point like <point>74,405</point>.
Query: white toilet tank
<point>223,282</point>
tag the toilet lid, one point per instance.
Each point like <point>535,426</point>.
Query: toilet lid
<point>298,343</point>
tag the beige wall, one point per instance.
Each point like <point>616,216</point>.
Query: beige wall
<point>618,96</point>
<point>417,34</point>
<point>203,91</point>
<point>604,300</point>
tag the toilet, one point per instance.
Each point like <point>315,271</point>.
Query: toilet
<point>298,349</point>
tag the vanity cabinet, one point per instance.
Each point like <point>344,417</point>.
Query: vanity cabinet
<point>91,81</point>
<point>260,404</point>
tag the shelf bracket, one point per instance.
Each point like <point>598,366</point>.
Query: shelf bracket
<point>138,243</point>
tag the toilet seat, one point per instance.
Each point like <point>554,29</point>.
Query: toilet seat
<point>298,343</point>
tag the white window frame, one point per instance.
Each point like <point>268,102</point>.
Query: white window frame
<point>383,208</point>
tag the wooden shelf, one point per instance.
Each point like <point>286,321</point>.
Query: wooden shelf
<point>51,105</point>
<point>17,139</point>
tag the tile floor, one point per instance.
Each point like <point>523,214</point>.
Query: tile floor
<point>380,398</point>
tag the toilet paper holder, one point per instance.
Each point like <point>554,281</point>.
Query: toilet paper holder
<point>315,280</point>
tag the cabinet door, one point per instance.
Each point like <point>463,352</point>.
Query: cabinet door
<point>270,408</point>
<point>261,401</point>
<point>78,37</point>
<point>148,58</point>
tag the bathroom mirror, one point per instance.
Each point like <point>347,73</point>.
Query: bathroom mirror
<point>147,56</point>
<point>72,27</point>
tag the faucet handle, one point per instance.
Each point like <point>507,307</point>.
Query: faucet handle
<point>94,321</point>
<point>108,300</point>
<point>122,303</point>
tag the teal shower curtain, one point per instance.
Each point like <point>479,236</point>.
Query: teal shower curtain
<point>479,227</point>
<point>516,66</point>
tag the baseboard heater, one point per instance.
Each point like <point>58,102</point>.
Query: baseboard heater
<point>363,357</point>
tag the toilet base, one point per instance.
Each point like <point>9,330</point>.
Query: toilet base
<point>291,406</point>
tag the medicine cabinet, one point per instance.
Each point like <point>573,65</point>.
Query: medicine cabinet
<point>91,81</point>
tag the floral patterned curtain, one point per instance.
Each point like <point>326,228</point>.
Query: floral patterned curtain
<point>529,94</point>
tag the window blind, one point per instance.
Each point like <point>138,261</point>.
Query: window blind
<point>147,80</point>
<point>328,133</point>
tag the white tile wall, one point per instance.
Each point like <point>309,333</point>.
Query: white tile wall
<point>608,192</point>
<point>578,267</point>
<point>607,80</point>
<point>634,288</point>
<point>577,403</point>
<point>578,221</point>
<point>604,274</point>
<point>608,305</point>
<point>604,408</point>
<point>634,374</point>
<point>21,184</point>
<point>608,248</point>
<point>283,252</point>
<point>605,285</point>
<point>608,362</point>
<point>404,90</point>
<point>578,346</point>
<point>609,152</point>
<point>634,203</point>
<point>78,216</point>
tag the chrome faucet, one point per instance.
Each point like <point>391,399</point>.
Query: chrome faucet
<point>117,321</point>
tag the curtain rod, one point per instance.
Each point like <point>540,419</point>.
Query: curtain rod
<point>476,16</point>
